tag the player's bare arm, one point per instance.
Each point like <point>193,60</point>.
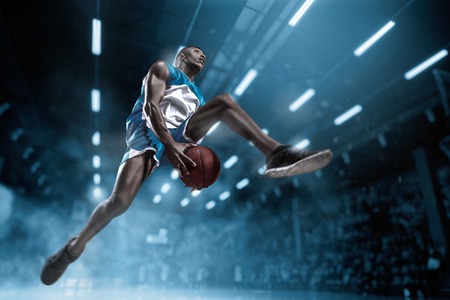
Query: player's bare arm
<point>155,85</point>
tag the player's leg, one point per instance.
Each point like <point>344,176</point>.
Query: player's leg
<point>130,177</point>
<point>281,160</point>
<point>224,108</point>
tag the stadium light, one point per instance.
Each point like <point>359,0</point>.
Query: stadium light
<point>195,193</point>
<point>302,144</point>
<point>95,100</point>
<point>184,202</point>
<point>174,175</point>
<point>424,65</point>
<point>96,36</point>
<point>210,204</point>
<point>224,196</point>
<point>97,178</point>
<point>157,198</point>
<point>214,127</point>
<point>96,138</point>
<point>348,114</point>
<point>230,162</point>
<point>96,161</point>
<point>302,100</point>
<point>294,20</point>
<point>373,39</point>
<point>245,82</point>
<point>165,188</point>
<point>242,184</point>
<point>97,192</point>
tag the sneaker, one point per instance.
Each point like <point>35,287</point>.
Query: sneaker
<point>287,161</point>
<point>56,264</point>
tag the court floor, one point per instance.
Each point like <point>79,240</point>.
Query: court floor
<point>59,293</point>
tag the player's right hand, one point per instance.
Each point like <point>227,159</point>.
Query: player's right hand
<point>179,160</point>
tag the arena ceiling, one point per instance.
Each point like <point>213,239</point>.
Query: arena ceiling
<point>48,72</point>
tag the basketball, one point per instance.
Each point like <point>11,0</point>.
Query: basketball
<point>207,168</point>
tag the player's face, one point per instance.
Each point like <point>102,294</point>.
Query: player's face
<point>195,57</point>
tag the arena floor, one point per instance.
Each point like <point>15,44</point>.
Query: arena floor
<point>58,293</point>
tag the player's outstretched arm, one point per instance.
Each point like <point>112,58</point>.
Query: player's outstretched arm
<point>155,85</point>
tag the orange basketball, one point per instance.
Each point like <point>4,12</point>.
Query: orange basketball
<point>207,168</point>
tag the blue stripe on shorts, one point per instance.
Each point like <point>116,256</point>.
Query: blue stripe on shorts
<point>140,139</point>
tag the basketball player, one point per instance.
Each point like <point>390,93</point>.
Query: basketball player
<point>169,116</point>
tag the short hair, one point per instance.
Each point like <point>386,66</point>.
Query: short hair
<point>183,51</point>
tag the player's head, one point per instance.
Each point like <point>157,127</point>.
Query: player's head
<point>192,56</point>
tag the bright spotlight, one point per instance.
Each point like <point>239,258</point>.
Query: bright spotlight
<point>424,65</point>
<point>184,202</point>
<point>157,198</point>
<point>242,184</point>
<point>96,162</point>
<point>95,100</point>
<point>97,192</point>
<point>97,178</point>
<point>230,162</point>
<point>373,39</point>
<point>174,175</point>
<point>302,144</point>
<point>210,204</point>
<point>240,89</point>
<point>302,99</point>
<point>348,114</point>
<point>96,138</point>
<point>165,188</point>
<point>225,195</point>
<point>300,13</point>
<point>96,37</point>
<point>195,193</point>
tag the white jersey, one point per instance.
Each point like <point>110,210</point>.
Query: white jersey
<point>181,99</point>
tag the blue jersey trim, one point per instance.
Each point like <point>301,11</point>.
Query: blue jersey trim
<point>177,77</point>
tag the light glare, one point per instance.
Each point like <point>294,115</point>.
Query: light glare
<point>174,175</point>
<point>348,114</point>
<point>97,192</point>
<point>302,99</point>
<point>302,144</point>
<point>300,13</point>
<point>225,195</point>
<point>96,138</point>
<point>214,127</point>
<point>157,198</point>
<point>245,82</point>
<point>175,58</point>
<point>262,170</point>
<point>230,162</point>
<point>373,39</point>
<point>97,179</point>
<point>242,184</point>
<point>96,161</point>
<point>424,65</point>
<point>165,188</point>
<point>95,100</point>
<point>96,37</point>
<point>195,193</point>
<point>184,202</point>
<point>210,204</point>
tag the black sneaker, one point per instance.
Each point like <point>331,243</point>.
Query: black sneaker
<point>287,161</point>
<point>56,264</point>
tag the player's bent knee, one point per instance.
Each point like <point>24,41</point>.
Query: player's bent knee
<point>226,100</point>
<point>227,97</point>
